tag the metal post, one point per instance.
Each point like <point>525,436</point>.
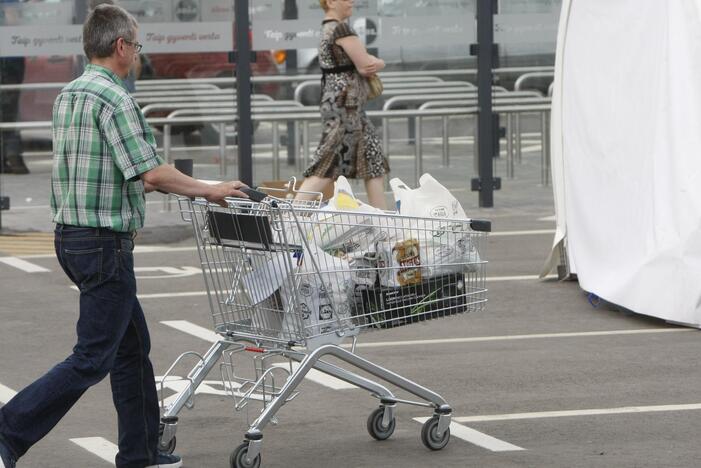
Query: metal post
<point>276,151</point>
<point>509,146</point>
<point>305,142</point>
<point>418,151</point>
<point>222,149</point>
<point>485,183</point>
<point>243,93</point>
<point>545,148</point>
<point>517,132</point>
<point>166,156</point>
<point>446,143</point>
<point>290,12</point>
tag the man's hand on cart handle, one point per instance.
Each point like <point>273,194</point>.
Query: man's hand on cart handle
<point>224,190</point>
<point>165,178</point>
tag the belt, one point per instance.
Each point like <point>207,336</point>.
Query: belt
<point>96,231</point>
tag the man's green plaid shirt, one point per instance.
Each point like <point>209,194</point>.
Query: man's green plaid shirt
<point>102,144</point>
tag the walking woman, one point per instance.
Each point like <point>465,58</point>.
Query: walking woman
<point>349,144</point>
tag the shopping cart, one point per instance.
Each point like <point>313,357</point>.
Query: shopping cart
<point>289,282</point>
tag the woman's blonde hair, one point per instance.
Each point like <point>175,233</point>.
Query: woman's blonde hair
<point>323,4</point>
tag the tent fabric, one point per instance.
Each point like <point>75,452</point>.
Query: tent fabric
<point>626,153</point>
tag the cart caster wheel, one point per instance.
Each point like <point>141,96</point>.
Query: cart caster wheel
<point>238,458</point>
<point>169,447</point>
<point>429,437</point>
<point>375,427</point>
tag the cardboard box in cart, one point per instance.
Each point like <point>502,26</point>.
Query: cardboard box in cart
<point>388,307</point>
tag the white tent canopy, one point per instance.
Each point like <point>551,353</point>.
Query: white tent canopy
<point>626,153</point>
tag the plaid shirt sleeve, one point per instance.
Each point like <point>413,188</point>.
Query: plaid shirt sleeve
<point>130,140</point>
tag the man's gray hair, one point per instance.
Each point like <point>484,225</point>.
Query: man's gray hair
<point>105,24</point>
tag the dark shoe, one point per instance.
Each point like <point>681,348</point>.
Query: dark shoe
<point>17,165</point>
<point>166,460</point>
<point>6,458</point>
<point>14,166</point>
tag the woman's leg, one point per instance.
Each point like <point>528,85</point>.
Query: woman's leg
<point>375,188</point>
<point>314,184</point>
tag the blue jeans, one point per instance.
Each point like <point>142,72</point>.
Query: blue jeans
<point>112,339</point>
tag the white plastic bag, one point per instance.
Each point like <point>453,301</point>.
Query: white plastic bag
<point>346,229</point>
<point>433,248</point>
<point>320,293</point>
<point>430,200</point>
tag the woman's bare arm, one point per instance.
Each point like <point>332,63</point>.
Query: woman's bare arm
<point>365,63</point>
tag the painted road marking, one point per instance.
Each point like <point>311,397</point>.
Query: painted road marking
<point>164,248</point>
<point>477,438</point>
<point>192,329</point>
<point>6,394</point>
<point>207,335</point>
<point>533,232</point>
<point>167,272</point>
<point>584,412</point>
<point>172,295</point>
<point>319,377</point>
<point>99,446</point>
<point>95,445</point>
<point>519,278</point>
<point>23,265</point>
<point>478,339</point>
<point>161,295</point>
<point>27,243</point>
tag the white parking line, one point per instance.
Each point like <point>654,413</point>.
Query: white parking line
<point>23,265</point>
<point>95,445</point>
<point>169,295</point>
<point>584,412</point>
<point>534,232</point>
<point>99,446</point>
<point>519,278</point>
<point>477,438</point>
<point>192,329</point>
<point>173,295</point>
<point>6,394</point>
<point>320,378</point>
<point>207,335</point>
<point>477,339</point>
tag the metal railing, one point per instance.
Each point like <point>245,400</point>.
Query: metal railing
<point>305,117</point>
<point>505,99</point>
<point>519,83</point>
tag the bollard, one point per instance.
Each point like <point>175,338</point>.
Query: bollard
<point>446,143</point>
<point>276,151</point>
<point>509,146</point>
<point>184,165</point>
<point>418,150</point>
<point>222,149</point>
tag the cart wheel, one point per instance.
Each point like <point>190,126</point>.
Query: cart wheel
<point>169,447</point>
<point>429,436</point>
<point>238,458</point>
<point>375,427</point>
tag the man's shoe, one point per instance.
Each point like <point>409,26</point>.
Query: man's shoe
<point>6,458</point>
<point>166,460</point>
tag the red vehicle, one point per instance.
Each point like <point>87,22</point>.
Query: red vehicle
<point>37,104</point>
<point>211,64</point>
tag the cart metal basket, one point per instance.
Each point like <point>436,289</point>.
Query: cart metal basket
<point>289,282</point>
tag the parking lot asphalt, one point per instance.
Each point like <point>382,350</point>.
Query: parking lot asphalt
<point>540,378</point>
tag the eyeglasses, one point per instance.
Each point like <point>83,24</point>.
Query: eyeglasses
<point>137,46</point>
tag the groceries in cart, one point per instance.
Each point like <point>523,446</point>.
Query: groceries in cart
<point>400,265</point>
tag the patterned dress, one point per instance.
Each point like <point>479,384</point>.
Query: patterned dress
<point>349,144</point>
